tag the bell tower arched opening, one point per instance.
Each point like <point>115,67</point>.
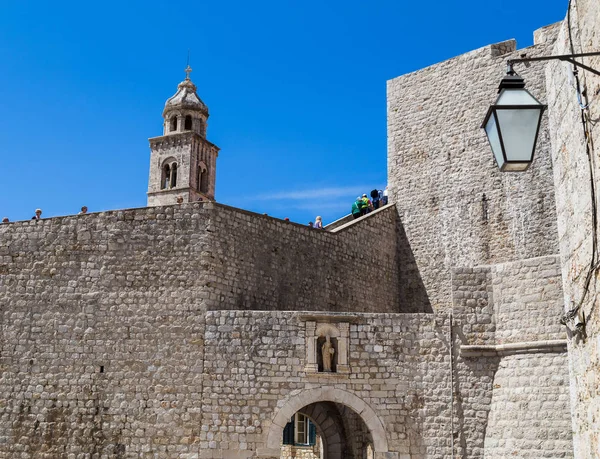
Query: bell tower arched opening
<point>188,123</point>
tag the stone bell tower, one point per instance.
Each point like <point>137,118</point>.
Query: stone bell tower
<point>182,162</point>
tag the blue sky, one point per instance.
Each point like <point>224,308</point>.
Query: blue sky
<point>296,92</point>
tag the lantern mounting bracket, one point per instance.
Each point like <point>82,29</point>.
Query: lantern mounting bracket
<point>561,57</point>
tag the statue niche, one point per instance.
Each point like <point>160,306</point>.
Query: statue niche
<point>327,345</point>
<point>328,354</point>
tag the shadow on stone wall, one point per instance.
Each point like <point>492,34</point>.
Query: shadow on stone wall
<point>412,293</point>
<point>473,388</point>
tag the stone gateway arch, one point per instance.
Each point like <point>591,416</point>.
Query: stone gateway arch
<point>313,402</point>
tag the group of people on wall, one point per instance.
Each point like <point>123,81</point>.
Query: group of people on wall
<point>363,205</point>
<point>38,214</point>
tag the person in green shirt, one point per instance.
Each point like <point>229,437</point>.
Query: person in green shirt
<point>357,207</point>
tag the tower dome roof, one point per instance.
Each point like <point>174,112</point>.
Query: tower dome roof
<point>186,97</point>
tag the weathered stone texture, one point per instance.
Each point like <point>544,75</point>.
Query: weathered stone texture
<point>528,300</point>
<point>183,331</point>
<point>188,150</point>
<point>516,304</point>
<point>97,356</point>
<point>103,317</point>
<point>573,203</point>
<point>261,263</point>
<point>399,366</point>
<point>473,304</point>
<point>529,411</point>
<point>456,207</point>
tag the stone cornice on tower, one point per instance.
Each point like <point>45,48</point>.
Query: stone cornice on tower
<point>180,138</point>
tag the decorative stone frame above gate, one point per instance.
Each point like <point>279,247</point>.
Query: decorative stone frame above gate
<point>338,331</point>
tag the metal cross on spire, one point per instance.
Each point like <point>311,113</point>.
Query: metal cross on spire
<point>188,69</point>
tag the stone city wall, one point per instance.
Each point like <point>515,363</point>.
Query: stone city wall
<point>257,262</point>
<point>511,375</point>
<point>103,316</point>
<point>528,300</point>
<point>456,207</point>
<point>530,408</point>
<point>399,366</point>
<point>572,181</point>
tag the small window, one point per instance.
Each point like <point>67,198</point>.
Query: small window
<point>169,176</point>
<point>188,123</point>
<point>300,431</point>
<point>173,175</point>
<point>204,181</point>
<point>166,177</point>
<point>173,127</point>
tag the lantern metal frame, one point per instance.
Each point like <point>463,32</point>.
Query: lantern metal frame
<point>513,81</point>
<point>560,57</point>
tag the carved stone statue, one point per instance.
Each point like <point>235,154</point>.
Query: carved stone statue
<point>328,351</point>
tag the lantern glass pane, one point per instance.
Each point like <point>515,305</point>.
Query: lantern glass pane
<point>516,97</point>
<point>491,129</point>
<point>518,128</point>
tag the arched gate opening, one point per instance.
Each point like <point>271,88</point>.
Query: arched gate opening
<point>326,423</point>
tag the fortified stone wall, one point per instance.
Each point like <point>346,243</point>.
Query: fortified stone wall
<point>455,206</point>
<point>530,407</point>
<point>103,316</point>
<point>184,331</point>
<point>399,366</point>
<point>511,375</point>
<point>102,325</point>
<point>528,300</point>
<point>573,197</point>
<point>214,255</point>
<point>259,263</point>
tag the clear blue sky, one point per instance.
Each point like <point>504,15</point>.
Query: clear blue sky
<point>296,92</point>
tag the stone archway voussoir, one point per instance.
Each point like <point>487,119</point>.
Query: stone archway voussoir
<point>299,399</point>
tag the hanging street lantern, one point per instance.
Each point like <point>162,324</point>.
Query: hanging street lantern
<point>512,124</point>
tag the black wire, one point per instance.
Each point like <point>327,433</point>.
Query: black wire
<point>569,27</point>
<point>594,262</point>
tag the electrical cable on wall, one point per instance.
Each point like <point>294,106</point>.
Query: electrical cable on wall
<point>576,314</point>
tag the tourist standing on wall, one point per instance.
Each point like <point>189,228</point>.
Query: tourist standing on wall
<point>318,223</point>
<point>367,206</point>
<point>38,214</point>
<point>375,199</point>
<point>385,196</point>
<point>356,205</point>
<point>363,205</point>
